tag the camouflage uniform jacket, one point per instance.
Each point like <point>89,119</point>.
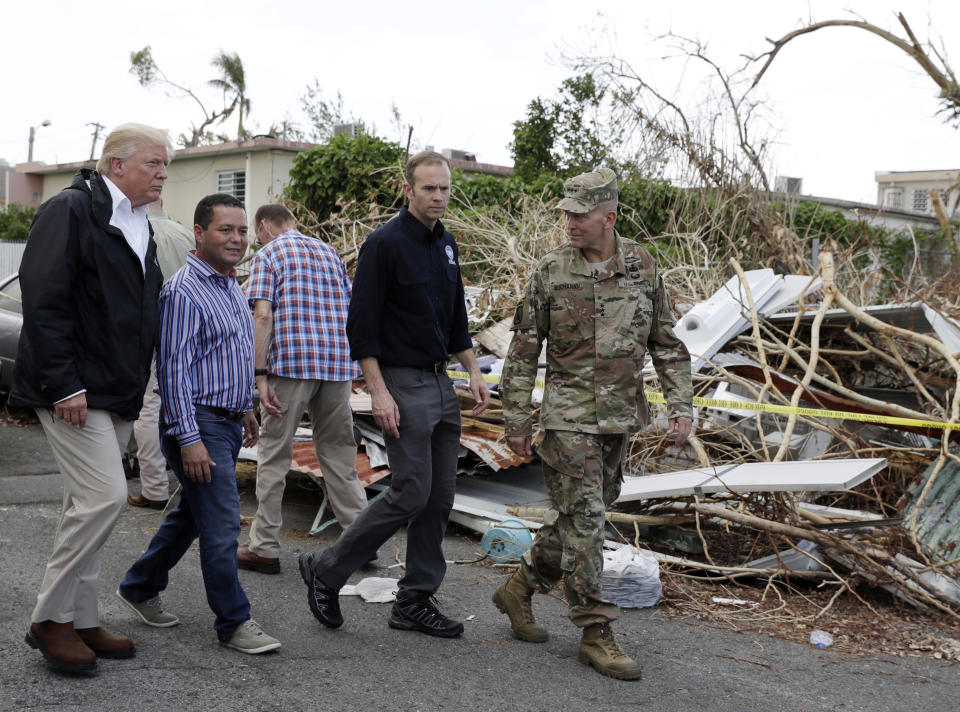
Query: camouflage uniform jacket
<point>598,327</point>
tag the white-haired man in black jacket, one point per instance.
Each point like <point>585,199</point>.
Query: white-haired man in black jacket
<point>90,283</point>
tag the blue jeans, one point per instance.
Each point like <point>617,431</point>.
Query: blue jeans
<point>208,510</point>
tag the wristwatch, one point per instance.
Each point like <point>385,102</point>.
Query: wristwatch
<point>259,372</point>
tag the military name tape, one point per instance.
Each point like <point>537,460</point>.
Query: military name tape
<point>654,397</point>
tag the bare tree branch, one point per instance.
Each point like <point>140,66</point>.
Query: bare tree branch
<point>942,74</point>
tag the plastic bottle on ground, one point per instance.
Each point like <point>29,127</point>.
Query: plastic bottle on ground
<point>821,638</point>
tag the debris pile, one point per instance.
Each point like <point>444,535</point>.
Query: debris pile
<point>824,464</point>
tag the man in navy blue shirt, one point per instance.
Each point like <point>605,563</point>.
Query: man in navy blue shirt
<point>407,315</point>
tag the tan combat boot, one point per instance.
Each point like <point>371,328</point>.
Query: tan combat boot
<point>599,649</point>
<point>514,599</point>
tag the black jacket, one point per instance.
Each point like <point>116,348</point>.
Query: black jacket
<point>90,317</point>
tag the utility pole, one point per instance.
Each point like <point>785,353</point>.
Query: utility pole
<point>33,131</point>
<point>97,128</point>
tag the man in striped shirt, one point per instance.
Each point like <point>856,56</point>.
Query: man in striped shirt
<point>205,374</point>
<point>300,295</point>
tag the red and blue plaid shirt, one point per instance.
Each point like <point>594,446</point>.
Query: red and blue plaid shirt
<point>307,283</point>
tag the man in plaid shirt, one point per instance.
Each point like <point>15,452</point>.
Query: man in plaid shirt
<point>300,294</point>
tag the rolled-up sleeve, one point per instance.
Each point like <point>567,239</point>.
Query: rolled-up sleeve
<point>179,329</point>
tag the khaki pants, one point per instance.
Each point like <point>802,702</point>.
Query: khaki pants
<point>328,404</point>
<point>94,494</point>
<point>146,430</point>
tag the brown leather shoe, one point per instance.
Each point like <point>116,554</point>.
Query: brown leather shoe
<point>62,648</point>
<point>246,559</point>
<point>106,644</point>
<point>138,500</point>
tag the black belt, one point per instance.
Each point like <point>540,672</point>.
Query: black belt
<point>223,412</point>
<point>439,368</point>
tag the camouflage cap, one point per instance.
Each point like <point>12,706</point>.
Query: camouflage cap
<point>586,191</point>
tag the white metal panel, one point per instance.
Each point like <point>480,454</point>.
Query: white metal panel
<point>799,476</point>
<point>712,323</point>
<point>10,255</point>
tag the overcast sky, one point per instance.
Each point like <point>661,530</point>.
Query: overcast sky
<point>842,104</point>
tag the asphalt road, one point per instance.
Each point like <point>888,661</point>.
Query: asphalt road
<point>367,666</point>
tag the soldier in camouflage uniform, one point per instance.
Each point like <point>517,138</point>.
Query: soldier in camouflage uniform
<point>600,304</point>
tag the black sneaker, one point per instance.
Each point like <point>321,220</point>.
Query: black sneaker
<point>324,601</point>
<point>421,614</point>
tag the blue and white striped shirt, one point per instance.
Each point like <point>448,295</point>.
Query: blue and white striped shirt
<point>206,347</point>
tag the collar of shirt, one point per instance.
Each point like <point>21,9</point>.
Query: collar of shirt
<point>132,222</point>
<point>612,266</point>
<point>415,228</point>
<point>197,263</point>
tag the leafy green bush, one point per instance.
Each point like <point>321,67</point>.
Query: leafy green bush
<point>346,169</point>
<point>15,222</point>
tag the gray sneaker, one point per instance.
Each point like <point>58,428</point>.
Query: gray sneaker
<point>250,638</point>
<point>151,611</point>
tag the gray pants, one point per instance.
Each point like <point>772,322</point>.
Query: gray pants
<point>423,467</point>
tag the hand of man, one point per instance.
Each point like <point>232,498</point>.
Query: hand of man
<point>521,444</point>
<point>386,413</point>
<point>268,398</point>
<point>73,410</point>
<point>481,393</point>
<point>251,429</point>
<point>196,462</point>
<point>682,427</point>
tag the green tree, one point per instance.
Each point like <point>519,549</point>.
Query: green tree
<point>232,82</point>
<point>346,169</point>
<point>569,135</point>
<point>15,222</point>
<point>534,139</point>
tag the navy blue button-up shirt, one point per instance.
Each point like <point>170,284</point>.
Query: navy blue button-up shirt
<point>407,307</point>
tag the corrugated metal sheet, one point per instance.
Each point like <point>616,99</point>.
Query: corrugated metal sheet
<point>305,461</point>
<point>938,516</point>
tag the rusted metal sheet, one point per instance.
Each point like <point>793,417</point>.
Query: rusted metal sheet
<point>486,441</point>
<point>938,516</point>
<point>305,461</point>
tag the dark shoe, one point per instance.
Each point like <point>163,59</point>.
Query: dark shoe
<point>106,644</point>
<point>514,598</point>
<point>600,650</point>
<point>421,614</point>
<point>61,647</point>
<point>324,601</point>
<point>138,500</point>
<point>131,467</point>
<point>246,559</point>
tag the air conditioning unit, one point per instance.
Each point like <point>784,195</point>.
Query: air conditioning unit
<point>790,186</point>
<point>351,130</point>
<point>456,154</point>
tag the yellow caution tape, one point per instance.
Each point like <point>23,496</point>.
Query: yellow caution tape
<point>10,297</point>
<point>822,413</point>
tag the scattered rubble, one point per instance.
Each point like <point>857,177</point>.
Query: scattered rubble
<point>822,476</point>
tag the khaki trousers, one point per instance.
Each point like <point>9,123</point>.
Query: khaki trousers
<point>146,430</point>
<point>94,494</point>
<point>328,404</point>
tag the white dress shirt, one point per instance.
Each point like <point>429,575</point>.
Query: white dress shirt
<point>132,222</point>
